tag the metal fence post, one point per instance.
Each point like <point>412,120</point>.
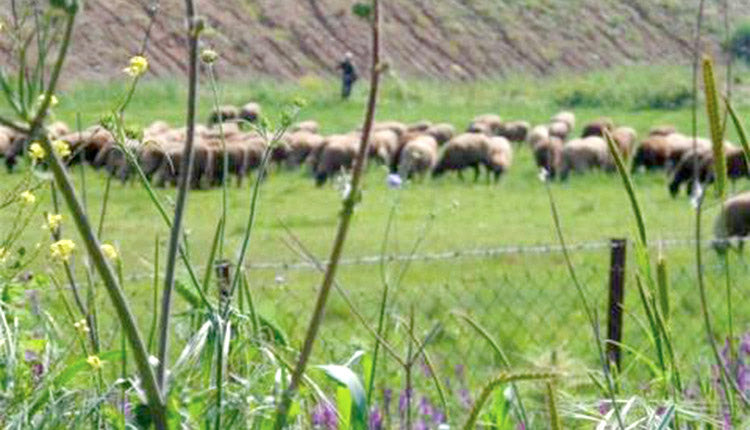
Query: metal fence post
<point>616,299</point>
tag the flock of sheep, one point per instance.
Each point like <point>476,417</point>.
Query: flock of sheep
<point>411,150</point>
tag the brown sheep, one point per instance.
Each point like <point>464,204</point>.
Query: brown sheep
<point>397,127</point>
<point>499,156</point>
<point>538,135</point>
<point>658,151</point>
<point>598,127</point>
<point>250,112</point>
<point>480,128</point>
<point>58,129</point>
<point>223,114</point>
<point>338,153</point>
<point>487,124</point>
<point>732,222</point>
<point>383,145</point>
<point>662,130</point>
<point>418,156</point>
<point>464,151</point>
<point>581,155</point>
<point>548,155</point>
<point>625,138</point>
<point>567,117</point>
<point>701,162</point>
<point>560,129</point>
<point>514,131</point>
<point>419,126</point>
<point>301,144</point>
<point>442,132</point>
<point>309,126</point>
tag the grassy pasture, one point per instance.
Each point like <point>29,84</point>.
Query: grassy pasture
<point>527,301</point>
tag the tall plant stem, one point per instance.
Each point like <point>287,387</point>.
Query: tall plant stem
<point>185,174</point>
<point>117,296</point>
<point>346,215</point>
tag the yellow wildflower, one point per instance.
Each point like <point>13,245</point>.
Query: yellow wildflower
<point>28,197</point>
<point>138,66</point>
<point>94,362</point>
<point>62,249</point>
<point>53,101</point>
<point>209,56</point>
<point>62,149</point>
<point>109,251</point>
<point>36,151</point>
<point>53,221</point>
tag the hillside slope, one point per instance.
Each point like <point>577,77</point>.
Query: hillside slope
<point>446,38</point>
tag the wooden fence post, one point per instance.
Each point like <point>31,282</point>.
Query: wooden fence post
<point>616,299</point>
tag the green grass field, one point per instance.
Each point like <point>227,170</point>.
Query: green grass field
<point>526,300</point>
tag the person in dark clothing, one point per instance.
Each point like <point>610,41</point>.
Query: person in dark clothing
<point>348,75</point>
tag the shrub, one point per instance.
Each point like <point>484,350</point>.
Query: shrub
<point>739,45</point>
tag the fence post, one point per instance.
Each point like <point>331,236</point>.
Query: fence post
<point>616,299</point>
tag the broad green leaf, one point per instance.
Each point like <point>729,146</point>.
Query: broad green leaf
<point>346,377</point>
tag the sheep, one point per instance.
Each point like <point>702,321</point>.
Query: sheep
<point>538,135</point>
<point>566,117</point>
<point>223,114</point>
<point>662,130</point>
<point>580,155</point>
<point>418,156</point>
<point>383,146</point>
<point>250,112</point>
<point>598,127</point>
<point>487,124</point>
<point>338,153</point>
<point>560,129</point>
<point>732,222</point>
<point>467,150</point>
<point>309,126</point>
<point>548,155</point>
<point>419,126</point>
<point>498,157</point>
<point>700,164</point>
<point>58,129</point>
<point>301,144</point>
<point>514,131</point>
<point>442,132</point>
<point>625,138</point>
<point>397,127</point>
<point>658,151</point>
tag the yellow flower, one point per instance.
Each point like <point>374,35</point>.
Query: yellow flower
<point>4,255</point>
<point>62,249</point>
<point>28,197</point>
<point>209,56</point>
<point>138,66</point>
<point>53,221</point>
<point>109,251</point>
<point>53,101</point>
<point>36,151</point>
<point>82,326</point>
<point>62,148</point>
<point>94,362</point>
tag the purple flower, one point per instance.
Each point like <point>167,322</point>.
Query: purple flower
<point>376,419</point>
<point>324,417</point>
<point>438,416</point>
<point>394,181</point>
<point>421,425</point>
<point>465,397</point>
<point>425,408</point>
<point>387,397</point>
<point>745,344</point>
<point>404,399</point>
<point>604,408</point>
<point>521,426</point>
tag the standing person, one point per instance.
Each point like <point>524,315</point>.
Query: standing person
<point>348,75</point>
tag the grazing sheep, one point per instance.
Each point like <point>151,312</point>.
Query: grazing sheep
<point>383,145</point>
<point>567,117</point>
<point>560,130</point>
<point>538,135</point>
<point>514,131</point>
<point>442,132</point>
<point>418,156</point>
<point>338,153</point>
<point>662,130</point>
<point>419,126</point>
<point>657,151</point>
<point>309,126</point>
<point>488,124</point>
<point>302,143</point>
<point>498,157</point>
<point>581,155</point>
<point>58,129</point>
<point>548,155</point>
<point>250,112</point>
<point>397,127</point>
<point>598,127</point>
<point>701,162</point>
<point>732,222</point>
<point>625,138</point>
<point>464,151</point>
<point>223,114</point>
